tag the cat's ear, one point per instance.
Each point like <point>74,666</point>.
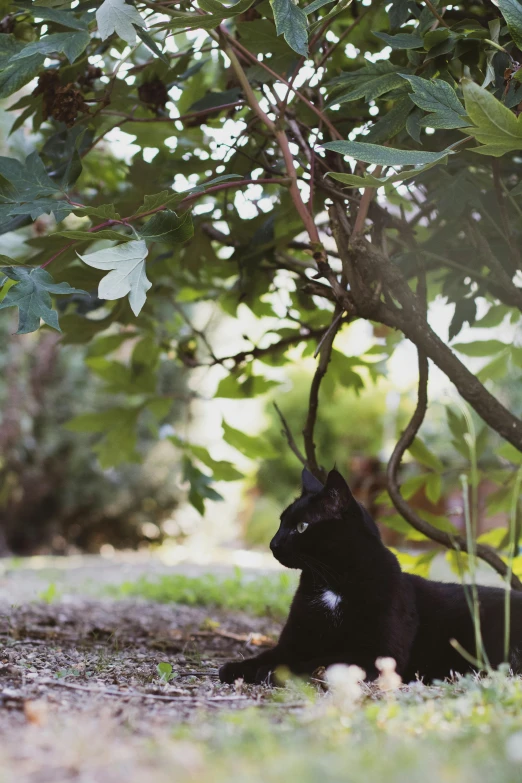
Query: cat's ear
<point>339,491</point>
<point>310,485</point>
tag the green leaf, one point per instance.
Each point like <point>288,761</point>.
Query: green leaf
<point>251,447</point>
<point>398,13</point>
<point>401,40</point>
<point>385,156</point>
<point>146,352</point>
<point>159,200</point>
<point>412,485</point>
<point>509,452</point>
<point>511,10</point>
<point>292,24</point>
<point>219,12</point>
<point>13,76</point>
<point>315,6</point>
<point>25,189</point>
<point>70,44</point>
<point>119,428</point>
<point>496,369</point>
<point>413,125</point>
<point>416,564</point>
<point>221,470</point>
<point>200,488</point>
<point>64,18</point>
<point>251,386</point>
<point>31,295</point>
<point>116,16</point>
<point>104,211</point>
<point>392,122</point>
<point>229,387</point>
<point>151,44</point>
<point>122,378</point>
<point>495,126</point>
<point>338,8</point>
<point>128,275</point>
<point>168,228</point>
<point>465,312</point>
<point>422,454</point>
<point>480,347</point>
<point>93,236</point>
<point>369,82</point>
<point>164,670</point>
<point>494,316</point>
<point>107,344</point>
<point>93,422</point>
<point>369,181</point>
<point>437,97</point>
<point>433,487</point>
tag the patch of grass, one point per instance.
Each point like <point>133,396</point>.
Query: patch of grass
<point>464,732</point>
<point>260,596</point>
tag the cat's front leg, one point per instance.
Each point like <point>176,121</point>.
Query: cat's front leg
<point>252,670</point>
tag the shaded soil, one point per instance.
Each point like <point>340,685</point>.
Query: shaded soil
<point>81,655</point>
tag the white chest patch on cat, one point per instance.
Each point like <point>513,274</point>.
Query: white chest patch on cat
<point>331,600</point>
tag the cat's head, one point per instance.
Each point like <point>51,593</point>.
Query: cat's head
<point>323,523</point>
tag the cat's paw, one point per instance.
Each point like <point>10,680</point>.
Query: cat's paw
<point>237,670</point>
<point>264,676</point>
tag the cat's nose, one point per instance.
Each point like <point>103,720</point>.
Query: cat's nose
<point>275,546</point>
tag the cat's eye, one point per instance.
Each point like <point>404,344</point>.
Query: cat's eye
<point>301,527</point>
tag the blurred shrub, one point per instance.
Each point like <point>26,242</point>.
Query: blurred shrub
<point>54,496</point>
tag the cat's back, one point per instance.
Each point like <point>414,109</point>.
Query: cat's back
<point>444,614</point>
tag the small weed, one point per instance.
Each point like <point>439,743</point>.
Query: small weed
<point>63,673</point>
<point>165,672</point>
<point>50,594</point>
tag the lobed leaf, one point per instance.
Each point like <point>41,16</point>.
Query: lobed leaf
<point>127,273</point>
<point>31,295</point>
<point>117,16</point>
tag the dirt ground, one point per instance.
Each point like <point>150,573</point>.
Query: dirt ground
<point>85,667</point>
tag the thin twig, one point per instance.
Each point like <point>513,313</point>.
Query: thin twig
<point>287,432</point>
<point>364,206</point>
<point>240,48</point>
<point>342,37</point>
<point>436,13</point>
<point>140,695</point>
<point>280,345</point>
<point>313,402</point>
<point>333,325</point>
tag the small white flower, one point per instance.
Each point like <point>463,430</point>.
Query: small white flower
<point>388,679</point>
<point>344,684</point>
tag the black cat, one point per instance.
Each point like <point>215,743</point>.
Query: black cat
<point>354,604</point>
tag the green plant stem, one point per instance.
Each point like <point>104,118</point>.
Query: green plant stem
<point>469,516</point>
<point>513,518</point>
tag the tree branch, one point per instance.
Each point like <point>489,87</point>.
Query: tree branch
<point>308,432</point>
<point>280,345</point>
<point>457,543</point>
<point>373,266</point>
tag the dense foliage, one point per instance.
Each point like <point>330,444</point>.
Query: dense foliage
<point>317,164</point>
